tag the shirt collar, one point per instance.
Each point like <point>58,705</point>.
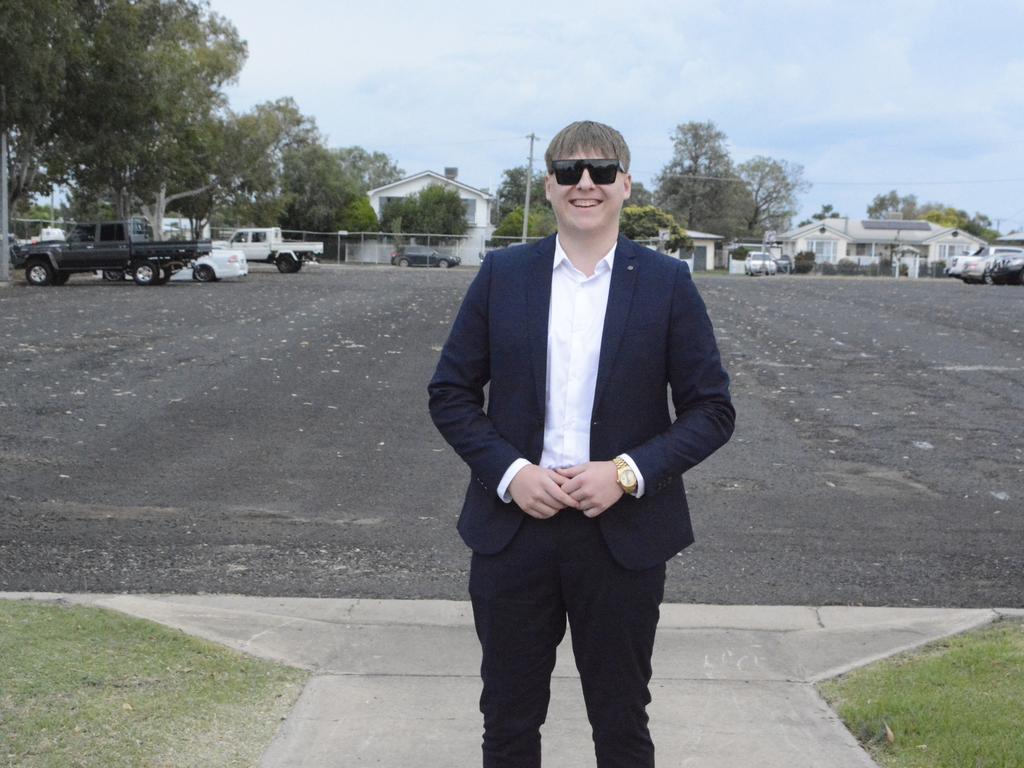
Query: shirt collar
<point>603,265</point>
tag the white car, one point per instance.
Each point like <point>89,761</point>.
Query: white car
<point>760,263</point>
<point>218,264</point>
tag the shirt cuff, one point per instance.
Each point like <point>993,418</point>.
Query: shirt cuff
<point>636,471</point>
<point>506,479</point>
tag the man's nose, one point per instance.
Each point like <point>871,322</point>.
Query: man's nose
<point>585,181</point>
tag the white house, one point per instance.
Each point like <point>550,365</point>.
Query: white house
<point>476,201</point>
<point>867,241</point>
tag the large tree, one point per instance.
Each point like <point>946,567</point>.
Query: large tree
<point>772,186</point>
<point>699,186</point>
<point>316,188</point>
<point>144,104</point>
<point>892,204</point>
<point>368,170</point>
<point>40,44</point>
<point>251,169</point>
<point>511,193</point>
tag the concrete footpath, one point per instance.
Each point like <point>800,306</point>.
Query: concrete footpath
<point>395,682</point>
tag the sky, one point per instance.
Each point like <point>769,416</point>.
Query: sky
<point>925,97</point>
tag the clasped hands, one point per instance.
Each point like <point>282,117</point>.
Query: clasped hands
<point>541,493</point>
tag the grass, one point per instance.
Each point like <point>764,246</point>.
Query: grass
<point>958,703</point>
<point>81,686</point>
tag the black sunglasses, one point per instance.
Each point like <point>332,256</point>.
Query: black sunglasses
<point>569,172</point>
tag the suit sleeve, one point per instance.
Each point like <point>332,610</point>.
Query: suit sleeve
<point>705,417</point>
<point>457,389</point>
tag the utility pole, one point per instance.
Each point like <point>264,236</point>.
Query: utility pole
<point>529,183</point>
<point>5,250</point>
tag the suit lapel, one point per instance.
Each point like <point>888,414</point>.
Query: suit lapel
<point>538,309</point>
<point>620,296</point>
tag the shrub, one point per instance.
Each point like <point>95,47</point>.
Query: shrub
<point>740,254</point>
<point>828,268</point>
<point>803,262</point>
<point>848,267</point>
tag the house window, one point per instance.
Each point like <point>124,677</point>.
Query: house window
<point>470,206</point>
<point>948,250</point>
<point>824,250</point>
<point>862,249</point>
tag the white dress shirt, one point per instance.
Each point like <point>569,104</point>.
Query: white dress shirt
<point>575,329</point>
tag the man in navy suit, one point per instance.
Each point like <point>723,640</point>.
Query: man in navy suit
<point>576,499</point>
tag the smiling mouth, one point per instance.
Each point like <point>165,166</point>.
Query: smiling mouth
<point>585,203</point>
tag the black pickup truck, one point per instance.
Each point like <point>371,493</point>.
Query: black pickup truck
<point>116,248</point>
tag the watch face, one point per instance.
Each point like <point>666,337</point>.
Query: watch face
<point>628,478</point>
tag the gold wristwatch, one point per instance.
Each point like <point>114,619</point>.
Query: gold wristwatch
<point>626,476</point>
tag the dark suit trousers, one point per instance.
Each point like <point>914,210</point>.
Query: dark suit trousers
<point>552,570</point>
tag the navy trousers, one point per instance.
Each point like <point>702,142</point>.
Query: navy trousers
<point>554,570</point>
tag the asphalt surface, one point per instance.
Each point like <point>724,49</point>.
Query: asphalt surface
<point>270,437</point>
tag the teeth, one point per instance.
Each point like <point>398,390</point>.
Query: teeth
<point>584,203</point>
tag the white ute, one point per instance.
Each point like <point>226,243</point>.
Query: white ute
<point>267,245</point>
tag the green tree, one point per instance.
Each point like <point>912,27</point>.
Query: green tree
<point>699,186</point>
<point>436,209</point>
<point>890,203</point>
<point>368,170</point>
<point>772,186</point>
<point>359,216</point>
<point>249,190</point>
<point>640,195</point>
<point>647,222</point>
<point>144,104</point>
<point>542,223</point>
<point>40,44</point>
<point>316,189</point>
<point>511,193</point>
<point>827,212</point>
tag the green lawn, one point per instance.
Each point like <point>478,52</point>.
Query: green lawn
<point>958,703</point>
<point>81,686</point>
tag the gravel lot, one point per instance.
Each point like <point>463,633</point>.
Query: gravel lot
<point>270,437</point>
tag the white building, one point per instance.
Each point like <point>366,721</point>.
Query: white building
<point>476,201</point>
<point>867,241</point>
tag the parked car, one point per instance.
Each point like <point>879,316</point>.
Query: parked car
<point>1008,268</point>
<point>971,268</point>
<point>220,263</point>
<point>760,263</point>
<point>784,264</point>
<point>423,256</point>
<point>976,271</point>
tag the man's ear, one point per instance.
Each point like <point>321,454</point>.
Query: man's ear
<point>628,185</point>
<point>547,186</point>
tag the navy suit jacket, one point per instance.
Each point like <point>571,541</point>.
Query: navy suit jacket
<point>656,335</point>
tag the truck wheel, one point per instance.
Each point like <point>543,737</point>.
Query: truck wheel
<point>286,264</point>
<point>39,273</point>
<point>204,273</point>
<point>443,264</point>
<point>403,262</point>
<point>145,272</point>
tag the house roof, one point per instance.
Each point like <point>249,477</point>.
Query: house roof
<point>693,234</point>
<point>1013,237</point>
<point>439,177</point>
<point>881,231</point>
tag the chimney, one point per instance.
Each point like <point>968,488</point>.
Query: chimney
<point>451,173</point>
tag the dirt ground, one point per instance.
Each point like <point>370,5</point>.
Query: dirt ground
<point>270,436</point>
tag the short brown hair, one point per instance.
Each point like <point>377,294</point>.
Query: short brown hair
<point>585,135</point>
